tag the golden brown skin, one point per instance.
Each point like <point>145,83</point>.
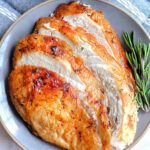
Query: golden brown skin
<point>122,77</point>
<point>94,89</point>
<point>35,42</point>
<point>52,108</point>
<point>110,35</point>
<point>97,16</point>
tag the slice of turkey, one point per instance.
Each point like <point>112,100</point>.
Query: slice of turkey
<point>37,50</point>
<point>82,20</point>
<point>42,60</point>
<point>54,113</point>
<point>95,23</point>
<point>113,82</point>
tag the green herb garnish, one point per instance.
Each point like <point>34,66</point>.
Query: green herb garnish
<point>138,55</point>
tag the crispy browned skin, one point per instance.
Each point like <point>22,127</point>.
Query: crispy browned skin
<point>120,74</point>
<point>72,34</point>
<point>110,35</point>
<point>94,89</point>
<point>97,16</point>
<point>46,44</point>
<point>52,108</point>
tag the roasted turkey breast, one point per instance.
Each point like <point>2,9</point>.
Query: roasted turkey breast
<point>118,83</point>
<point>93,22</point>
<point>38,50</point>
<point>52,108</point>
<point>71,82</point>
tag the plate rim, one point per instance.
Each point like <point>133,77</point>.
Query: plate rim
<point>40,5</point>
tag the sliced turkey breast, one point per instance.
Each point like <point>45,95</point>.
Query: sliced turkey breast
<point>71,81</point>
<point>92,21</point>
<point>55,55</point>
<point>117,84</point>
<point>60,55</point>
<point>52,108</point>
<point>80,15</point>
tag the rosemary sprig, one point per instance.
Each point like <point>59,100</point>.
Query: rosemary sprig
<point>138,55</point>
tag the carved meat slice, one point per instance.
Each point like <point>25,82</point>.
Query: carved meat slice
<point>71,82</point>
<point>55,55</point>
<point>118,84</point>
<point>52,108</point>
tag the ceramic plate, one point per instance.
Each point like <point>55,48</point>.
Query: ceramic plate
<point>13,124</point>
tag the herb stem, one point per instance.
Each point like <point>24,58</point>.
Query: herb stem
<point>137,56</point>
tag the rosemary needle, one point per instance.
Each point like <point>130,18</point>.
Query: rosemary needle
<point>138,55</point>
